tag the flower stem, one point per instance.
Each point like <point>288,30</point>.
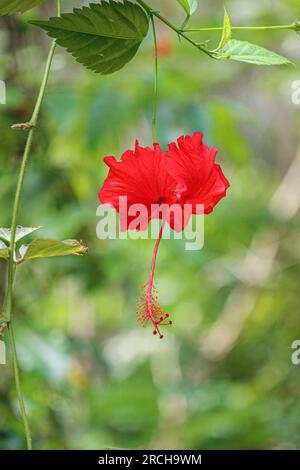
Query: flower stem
<point>181,33</point>
<point>155,93</point>
<point>242,28</point>
<point>18,386</point>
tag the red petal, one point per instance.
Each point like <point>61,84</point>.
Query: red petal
<point>141,175</point>
<point>191,163</point>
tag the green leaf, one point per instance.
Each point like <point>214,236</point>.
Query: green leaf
<point>5,233</point>
<point>17,6</point>
<point>226,34</point>
<point>190,6</point>
<point>4,251</point>
<point>245,52</point>
<point>103,37</point>
<point>45,248</point>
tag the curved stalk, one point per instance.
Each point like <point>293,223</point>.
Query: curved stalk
<point>32,124</point>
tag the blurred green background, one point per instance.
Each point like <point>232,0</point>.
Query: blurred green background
<point>222,378</point>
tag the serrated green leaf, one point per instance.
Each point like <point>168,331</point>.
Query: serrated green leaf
<point>17,6</point>
<point>4,252</point>
<point>251,53</point>
<point>190,6</point>
<point>45,248</point>
<point>226,33</point>
<point>5,233</point>
<point>103,37</point>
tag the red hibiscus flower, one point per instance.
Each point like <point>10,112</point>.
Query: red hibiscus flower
<point>163,184</point>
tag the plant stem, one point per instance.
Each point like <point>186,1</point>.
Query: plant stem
<point>58,7</point>
<point>18,386</point>
<point>242,28</point>
<point>155,93</point>
<point>150,11</point>
<point>7,308</point>
<point>184,24</point>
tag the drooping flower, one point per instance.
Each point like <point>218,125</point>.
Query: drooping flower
<point>186,174</point>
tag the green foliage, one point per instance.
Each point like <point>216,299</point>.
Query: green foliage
<point>39,248</point>
<point>244,51</point>
<point>21,232</point>
<point>226,33</point>
<point>103,37</point>
<point>190,6</point>
<point>45,248</point>
<point>17,6</point>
